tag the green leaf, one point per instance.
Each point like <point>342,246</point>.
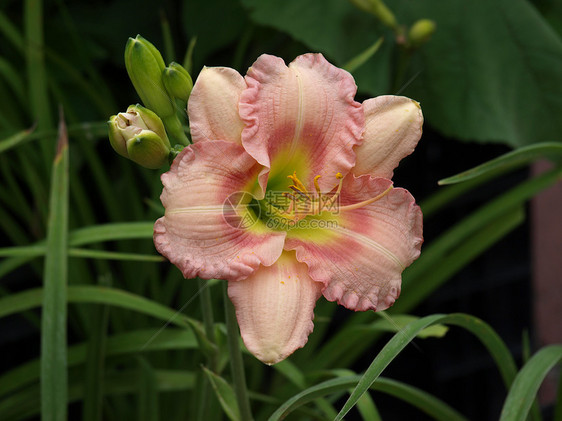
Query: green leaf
<point>465,88</point>
<point>92,409</point>
<point>225,395</point>
<point>334,28</point>
<point>484,333</point>
<point>54,388</point>
<point>469,233</point>
<point>15,139</point>
<point>356,62</point>
<point>453,251</point>
<point>395,322</point>
<point>25,404</point>
<point>416,397</point>
<point>121,344</point>
<point>507,162</point>
<point>527,383</point>
<point>96,295</point>
<point>148,392</point>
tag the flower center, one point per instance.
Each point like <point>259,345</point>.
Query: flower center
<point>301,202</point>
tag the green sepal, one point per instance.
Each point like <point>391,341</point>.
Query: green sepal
<point>148,150</point>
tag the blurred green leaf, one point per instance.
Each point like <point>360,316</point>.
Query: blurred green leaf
<point>508,161</point>
<point>332,27</point>
<point>25,404</point>
<point>527,383</point>
<point>491,71</point>
<point>495,346</point>
<point>54,387</point>
<point>395,322</point>
<point>145,340</point>
<point>215,24</point>
<point>416,397</point>
<point>225,395</point>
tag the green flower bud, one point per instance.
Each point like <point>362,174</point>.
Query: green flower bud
<point>379,10</point>
<point>421,31</point>
<point>145,65</point>
<point>177,81</point>
<point>139,135</point>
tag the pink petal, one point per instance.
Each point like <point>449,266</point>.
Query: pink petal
<point>196,234</point>
<point>393,129</point>
<point>361,258</point>
<point>304,112</point>
<point>274,308</point>
<point>213,105</point>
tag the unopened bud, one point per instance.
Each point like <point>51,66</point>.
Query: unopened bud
<point>145,65</point>
<point>139,135</point>
<point>177,81</point>
<point>421,31</point>
<point>379,10</point>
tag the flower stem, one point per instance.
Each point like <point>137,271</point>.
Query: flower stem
<point>207,309</point>
<point>236,363</point>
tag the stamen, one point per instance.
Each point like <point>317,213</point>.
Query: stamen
<point>303,194</point>
<point>316,186</point>
<point>297,182</point>
<point>366,202</point>
<point>331,201</point>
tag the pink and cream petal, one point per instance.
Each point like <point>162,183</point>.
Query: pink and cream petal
<point>275,308</point>
<point>360,258</point>
<point>301,113</point>
<point>213,105</point>
<point>205,231</point>
<point>393,127</point>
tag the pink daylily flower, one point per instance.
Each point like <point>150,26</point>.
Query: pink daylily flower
<point>295,131</point>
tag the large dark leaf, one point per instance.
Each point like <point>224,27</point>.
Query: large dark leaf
<point>332,27</point>
<point>492,72</point>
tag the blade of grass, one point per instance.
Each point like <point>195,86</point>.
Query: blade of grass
<point>236,362</point>
<point>148,392</point>
<point>169,53</point>
<point>36,73</point>
<point>120,344</point>
<point>509,161</point>
<point>39,250</point>
<point>25,404</point>
<point>54,387</point>
<point>95,365</point>
<point>495,346</point>
<point>416,397</point>
<point>98,295</point>
<point>421,285</point>
<point>358,61</point>
<point>527,383</point>
<point>225,394</point>
<point>14,80</point>
<point>349,343</point>
<point>11,32</point>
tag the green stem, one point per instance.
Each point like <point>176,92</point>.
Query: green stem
<point>236,363</point>
<point>207,309</point>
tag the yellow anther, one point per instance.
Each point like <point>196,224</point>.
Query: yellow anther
<point>298,183</point>
<point>339,175</point>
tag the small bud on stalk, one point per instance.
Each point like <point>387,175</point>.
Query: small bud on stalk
<point>177,81</point>
<point>421,31</point>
